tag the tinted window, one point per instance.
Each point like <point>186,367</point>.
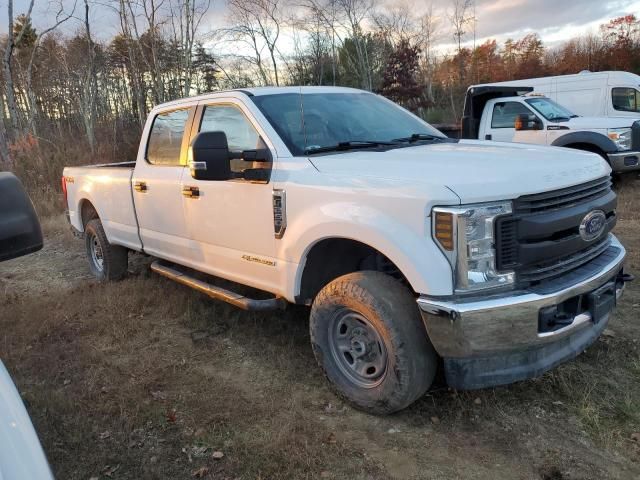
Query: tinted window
<point>165,139</point>
<point>309,120</point>
<point>240,133</point>
<point>505,114</point>
<point>626,99</point>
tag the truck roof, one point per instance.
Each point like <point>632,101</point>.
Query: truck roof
<point>612,77</point>
<point>257,91</point>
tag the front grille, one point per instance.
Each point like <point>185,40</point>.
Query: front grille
<point>540,240</point>
<point>564,198</point>
<point>548,269</point>
<point>635,136</point>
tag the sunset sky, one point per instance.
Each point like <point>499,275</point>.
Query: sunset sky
<point>554,20</point>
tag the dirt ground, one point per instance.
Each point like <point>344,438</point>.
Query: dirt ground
<point>145,379</point>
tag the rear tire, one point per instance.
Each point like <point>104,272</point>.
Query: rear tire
<point>107,262</point>
<point>368,337</point>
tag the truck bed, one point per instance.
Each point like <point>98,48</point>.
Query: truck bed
<point>107,189</point>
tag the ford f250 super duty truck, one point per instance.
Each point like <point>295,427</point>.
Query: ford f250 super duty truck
<point>505,113</point>
<point>408,246</point>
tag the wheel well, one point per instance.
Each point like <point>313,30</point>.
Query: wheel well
<point>334,257</point>
<point>87,212</point>
<point>588,147</point>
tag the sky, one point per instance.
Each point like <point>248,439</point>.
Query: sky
<point>554,20</point>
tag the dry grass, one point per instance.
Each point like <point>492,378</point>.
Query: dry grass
<point>145,379</point>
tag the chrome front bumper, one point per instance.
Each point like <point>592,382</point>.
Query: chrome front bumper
<point>624,161</point>
<point>499,334</point>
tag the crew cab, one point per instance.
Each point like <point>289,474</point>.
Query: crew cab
<point>409,247</point>
<point>506,113</point>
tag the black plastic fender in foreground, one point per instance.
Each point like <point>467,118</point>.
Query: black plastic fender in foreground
<point>592,138</point>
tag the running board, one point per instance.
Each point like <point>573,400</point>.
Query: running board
<point>218,293</point>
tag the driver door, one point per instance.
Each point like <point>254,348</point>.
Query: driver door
<point>503,119</point>
<point>230,222</point>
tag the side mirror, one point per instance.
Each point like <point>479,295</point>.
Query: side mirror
<point>20,232</point>
<point>526,121</point>
<point>210,158</point>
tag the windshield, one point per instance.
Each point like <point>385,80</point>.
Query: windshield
<point>626,99</point>
<point>314,121</point>
<point>549,109</point>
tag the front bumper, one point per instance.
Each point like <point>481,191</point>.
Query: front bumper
<point>495,340</point>
<point>624,161</point>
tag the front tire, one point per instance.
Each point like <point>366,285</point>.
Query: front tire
<point>368,337</point>
<point>107,262</point>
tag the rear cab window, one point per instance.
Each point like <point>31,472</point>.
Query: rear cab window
<point>166,137</point>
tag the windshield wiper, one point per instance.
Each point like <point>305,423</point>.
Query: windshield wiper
<point>559,119</point>
<point>350,145</point>
<point>416,137</point>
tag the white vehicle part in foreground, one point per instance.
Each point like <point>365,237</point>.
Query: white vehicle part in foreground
<point>21,456</point>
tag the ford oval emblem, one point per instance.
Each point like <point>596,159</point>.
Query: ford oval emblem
<point>592,225</point>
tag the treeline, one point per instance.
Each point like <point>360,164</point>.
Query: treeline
<point>78,99</point>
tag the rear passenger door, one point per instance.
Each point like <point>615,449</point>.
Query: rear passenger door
<point>156,185</point>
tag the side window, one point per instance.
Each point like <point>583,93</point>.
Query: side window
<point>228,119</point>
<point>165,139</point>
<point>505,113</point>
<point>240,133</point>
<point>626,99</point>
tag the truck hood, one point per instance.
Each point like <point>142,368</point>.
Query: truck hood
<point>475,171</point>
<point>592,123</point>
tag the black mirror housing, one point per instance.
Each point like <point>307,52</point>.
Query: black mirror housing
<point>20,232</point>
<point>210,157</point>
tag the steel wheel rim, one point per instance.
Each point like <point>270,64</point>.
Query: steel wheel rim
<point>96,253</point>
<point>357,348</point>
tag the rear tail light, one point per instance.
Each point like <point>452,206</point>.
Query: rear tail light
<point>64,192</point>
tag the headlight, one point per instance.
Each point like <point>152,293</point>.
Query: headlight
<point>465,235</point>
<point>621,137</point>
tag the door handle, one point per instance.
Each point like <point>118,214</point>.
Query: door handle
<point>140,186</point>
<point>487,136</point>
<point>191,192</point>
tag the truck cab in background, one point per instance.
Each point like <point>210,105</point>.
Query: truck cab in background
<point>506,113</point>
<point>589,94</point>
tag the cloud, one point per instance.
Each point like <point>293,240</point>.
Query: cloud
<point>503,17</point>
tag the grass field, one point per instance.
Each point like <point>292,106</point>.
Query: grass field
<point>145,379</point>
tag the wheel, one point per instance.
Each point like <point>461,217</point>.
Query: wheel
<point>368,337</point>
<point>106,261</point>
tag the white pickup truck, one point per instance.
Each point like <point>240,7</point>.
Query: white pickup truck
<point>507,113</point>
<point>408,246</point>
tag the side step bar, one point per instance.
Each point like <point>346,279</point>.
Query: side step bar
<point>218,293</point>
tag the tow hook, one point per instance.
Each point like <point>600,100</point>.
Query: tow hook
<point>621,280</point>
<point>625,278</point>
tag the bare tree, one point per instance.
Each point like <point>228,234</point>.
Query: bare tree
<point>61,17</point>
<point>12,41</point>
<point>427,35</point>
<point>460,17</point>
<point>346,20</point>
<point>186,16</point>
<point>258,23</point>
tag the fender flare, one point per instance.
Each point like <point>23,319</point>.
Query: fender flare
<point>596,139</point>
